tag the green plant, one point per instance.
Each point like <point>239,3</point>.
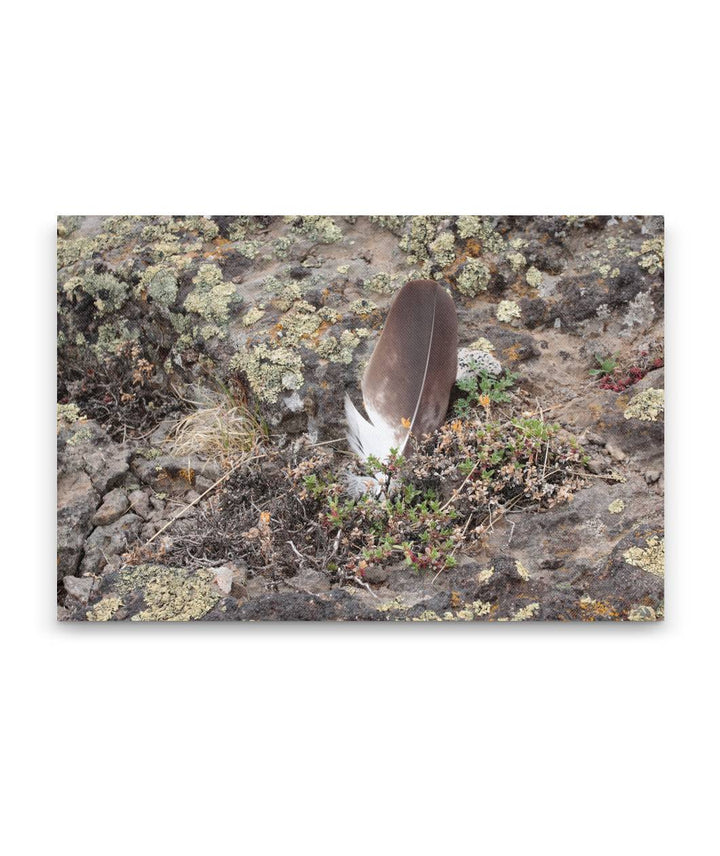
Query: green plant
<point>605,366</point>
<point>483,389</point>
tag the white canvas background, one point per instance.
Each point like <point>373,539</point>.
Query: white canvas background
<point>348,739</point>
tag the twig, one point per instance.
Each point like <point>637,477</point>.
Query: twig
<point>457,491</point>
<point>512,523</point>
<point>198,498</point>
<point>365,586</point>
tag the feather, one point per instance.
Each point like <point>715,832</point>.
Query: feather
<point>407,383</point>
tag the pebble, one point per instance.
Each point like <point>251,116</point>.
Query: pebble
<point>651,476</point>
<point>140,503</point>
<point>114,505</point>
<point>78,587</point>
<point>615,452</point>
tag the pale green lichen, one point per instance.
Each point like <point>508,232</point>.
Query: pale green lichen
<point>252,316</point>
<point>160,283</point>
<point>104,609</point>
<point>343,269</point>
<point>341,350</point>
<point>471,611</point>
<point>517,261</point>
<point>212,296</point>
<point>321,230</point>
<point>270,370</point>
<point>482,344</point>
<point>362,307</point>
<point>443,249</point>
<point>474,277</point>
<point>646,406</point>
<point>80,436</point>
<point>67,414</point>
<point>280,247</point>
<point>642,613</point>
<point>522,570</point>
<point>109,292</point>
<point>525,613</point>
<point>382,283</point>
<point>533,277</point>
<point>616,506</point>
<point>652,257</point>
<point>485,575</point>
<point>170,594</point>
<point>650,558</point>
<point>507,311</point>
<point>300,322</point>
<point>287,292</point>
<point>417,241</point>
<point>394,605</point>
<point>481,229</point>
<point>392,223</point>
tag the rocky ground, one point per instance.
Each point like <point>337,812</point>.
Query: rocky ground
<point>202,364</point>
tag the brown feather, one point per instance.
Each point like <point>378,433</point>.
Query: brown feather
<point>413,367</point>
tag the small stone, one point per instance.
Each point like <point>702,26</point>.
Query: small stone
<point>139,503</point>
<point>595,439</point>
<point>376,574</point>
<point>79,587</point>
<point>596,465</point>
<point>114,505</point>
<point>224,578</point>
<point>651,476</point>
<point>157,503</point>
<point>615,452</point>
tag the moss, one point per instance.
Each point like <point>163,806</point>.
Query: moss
<point>160,283</point>
<point>507,311</point>
<point>321,230</point>
<point>443,249</point>
<point>533,277</point>
<point>650,558</point>
<point>253,315</point>
<point>646,406</point>
<point>616,506</point>
<point>473,278</point>
<point>212,297</point>
<point>642,613</point>
<point>104,609</point>
<point>170,594</point>
<point>270,371</point>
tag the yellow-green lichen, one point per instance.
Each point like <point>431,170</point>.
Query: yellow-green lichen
<point>211,297</point>
<point>104,609</point>
<point>525,613</point>
<point>646,406</point>
<point>481,229</point>
<point>384,283</point>
<point>170,594</point>
<point>393,605</point>
<point>652,256</point>
<point>474,277</point>
<point>650,558</point>
<point>160,283</point>
<point>616,506</point>
<point>300,322</point>
<point>321,230</point>
<point>80,436</point>
<point>252,316</point>
<point>67,414</point>
<point>341,350</point>
<point>270,371</point>
<point>417,241</point>
<point>522,570</point>
<point>362,307</point>
<point>642,613</point>
<point>482,344</point>
<point>443,249</point>
<point>507,311</point>
<point>533,277</point>
<point>517,261</point>
<point>485,575</point>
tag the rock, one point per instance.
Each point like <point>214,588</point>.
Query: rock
<point>651,476</point>
<point>376,574</point>
<point>114,505</point>
<point>78,587</point>
<point>77,500</point>
<point>139,503</point>
<point>107,541</point>
<point>223,578</point>
<point>615,452</point>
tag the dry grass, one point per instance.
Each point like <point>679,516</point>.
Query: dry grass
<point>226,432</point>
